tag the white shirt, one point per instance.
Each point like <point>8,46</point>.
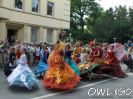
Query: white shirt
<point>38,51</point>
<point>23,60</point>
<point>83,57</point>
<point>49,49</point>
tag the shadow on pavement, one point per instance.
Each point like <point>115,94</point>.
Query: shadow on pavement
<point>18,89</point>
<point>94,78</point>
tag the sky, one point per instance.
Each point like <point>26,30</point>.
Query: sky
<point>112,3</point>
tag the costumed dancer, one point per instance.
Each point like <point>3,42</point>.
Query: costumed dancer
<point>68,59</point>
<point>101,53</point>
<point>22,76</point>
<point>94,56</point>
<point>59,76</point>
<point>113,62</point>
<point>42,66</point>
<point>95,53</point>
<point>18,53</point>
<point>93,60</point>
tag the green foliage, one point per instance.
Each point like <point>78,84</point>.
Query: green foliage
<point>88,21</point>
<point>114,23</point>
<point>85,37</point>
<point>82,13</point>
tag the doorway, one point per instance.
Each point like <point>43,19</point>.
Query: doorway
<point>11,35</point>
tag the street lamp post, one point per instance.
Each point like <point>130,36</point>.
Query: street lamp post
<point>70,38</point>
<point>114,39</point>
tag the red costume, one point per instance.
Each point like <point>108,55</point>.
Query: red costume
<point>113,62</point>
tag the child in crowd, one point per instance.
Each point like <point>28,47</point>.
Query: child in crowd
<point>37,53</point>
<point>83,56</point>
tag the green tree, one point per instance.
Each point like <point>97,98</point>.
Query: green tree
<point>88,17</point>
<point>131,23</point>
<point>81,11</point>
<point>96,12</point>
<point>114,23</point>
<point>121,23</point>
<point>103,27</point>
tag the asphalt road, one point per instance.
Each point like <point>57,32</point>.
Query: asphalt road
<point>83,91</point>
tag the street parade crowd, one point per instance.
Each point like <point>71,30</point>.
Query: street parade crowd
<point>61,66</point>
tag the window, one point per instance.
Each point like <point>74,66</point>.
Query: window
<point>50,35</point>
<point>19,4</point>
<point>34,32</point>
<point>35,5</point>
<point>50,8</point>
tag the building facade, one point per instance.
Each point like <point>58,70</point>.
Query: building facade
<point>34,20</point>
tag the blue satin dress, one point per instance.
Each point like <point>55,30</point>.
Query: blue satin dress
<point>72,64</point>
<point>42,66</point>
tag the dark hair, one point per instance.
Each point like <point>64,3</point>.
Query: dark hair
<point>5,51</point>
<point>57,42</point>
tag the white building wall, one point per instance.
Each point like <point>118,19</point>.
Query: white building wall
<point>60,19</point>
<point>3,30</point>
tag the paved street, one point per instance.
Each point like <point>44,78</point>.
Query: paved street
<point>80,92</point>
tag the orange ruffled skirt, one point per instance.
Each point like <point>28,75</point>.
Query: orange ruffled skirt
<point>60,78</point>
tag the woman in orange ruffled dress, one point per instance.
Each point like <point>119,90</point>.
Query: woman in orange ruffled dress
<point>59,76</point>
